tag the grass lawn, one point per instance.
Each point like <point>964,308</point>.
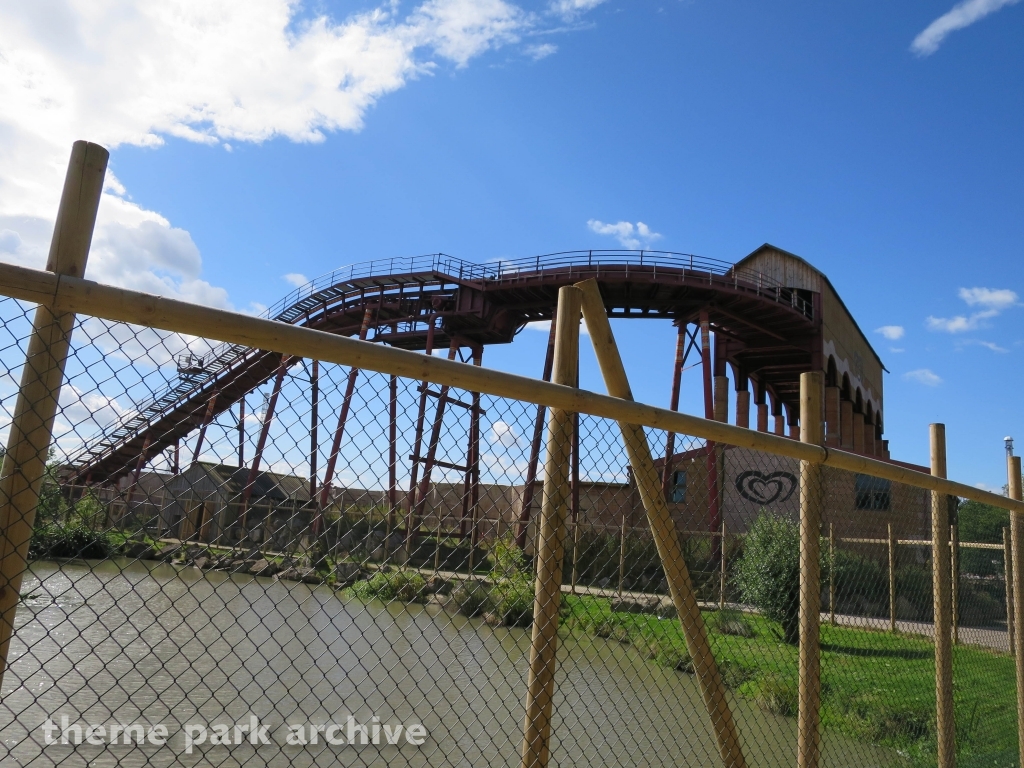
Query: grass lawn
<point>876,686</point>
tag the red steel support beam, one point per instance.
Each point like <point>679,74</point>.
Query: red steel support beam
<point>421,413</point>
<point>714,521</point>
<point>241,432</point>
<point>346,406</point>
<point>428,462</point>
<point>268,417</point>
<point>393,454</point>
<point>538,434</point>
<point>314,425</point>
<point>670,440</point>
<point>471,492</point>
<point>138,471</point>
<point>207,418</point>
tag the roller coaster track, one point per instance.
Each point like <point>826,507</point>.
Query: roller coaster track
<point>476,304</point>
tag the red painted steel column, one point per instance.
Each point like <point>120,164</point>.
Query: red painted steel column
<point>268,417</point>
<point>418,440</point>
<point>202,430</point>
<point>670,439</point>
<point>241,432</point>
<point>393,454</point>
<point>478,360</point>
<point>138,471</point>
<point>714,521</point>
<point>314,424</point>
<point>428,462</point>
<point>346,405</point>
<point>538,435</point>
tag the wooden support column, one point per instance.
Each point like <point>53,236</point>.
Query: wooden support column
<point>665,536</point>
<point>743,408</point>
<point>846,425</point>
<point>944,724</point>
<point>1008,581</point>
<point>722,399</point>
<point>28,443</point>
<point>812,501</point>
<point>869,439</point>
<point>551,543</point>
<point>858,433</point>
<point>832,417</point>
<point>1017,555</point>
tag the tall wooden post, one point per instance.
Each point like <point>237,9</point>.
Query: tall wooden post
<point>1017,546</point>
<point>663,528</point>
<point>944,725</point>
<point>892,580</point>
<point>1008,581</point>
<point>28,444</point>
<point>812,500</point>
<point>551,544</point>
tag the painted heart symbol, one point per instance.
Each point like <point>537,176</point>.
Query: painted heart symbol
<point>762,488</point>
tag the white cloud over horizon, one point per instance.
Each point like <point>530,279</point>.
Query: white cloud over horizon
<point>960,16</point>
<point>630,236</point>
<point>891,332</point>
<point>296,279</point>
<point>923,376</point>
<point>128,72</point>
<point>993,300</point>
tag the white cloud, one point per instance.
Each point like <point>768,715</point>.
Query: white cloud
<point>991,298</point>
<point>570,9</point>
<point>961,15</point>
<point>504,434</point>
<point>986,344</point>
<point>129,72</point>
<point>923,376</point>
<point>545,326</point>
<point>995,300</point>
<point>891,332</point>
<point>630,236</point>
<point>540,51</point>
<point>295,278</point>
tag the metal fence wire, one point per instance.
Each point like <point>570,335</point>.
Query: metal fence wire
<point>302,563</point>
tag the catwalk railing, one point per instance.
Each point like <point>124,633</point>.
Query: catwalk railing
<point>355,567</point>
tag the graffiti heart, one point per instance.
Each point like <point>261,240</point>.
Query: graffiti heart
<point>765,488</point>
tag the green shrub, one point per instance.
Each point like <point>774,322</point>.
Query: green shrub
<point>778,695</point>
<point>674,657</point>
<point>768,573</point>
<point>472,598</point>
<point>730,622</point>
<point>859,579</point>
<point>407,586</point>
<point>75,540</point>
<point>512,602</point>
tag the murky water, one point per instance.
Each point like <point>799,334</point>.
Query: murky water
<point>113,642</point>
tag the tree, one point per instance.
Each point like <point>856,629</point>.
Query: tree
<point>982,523</point>
<point>768,573</point>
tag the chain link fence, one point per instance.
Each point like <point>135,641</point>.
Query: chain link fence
<point>292,562</point>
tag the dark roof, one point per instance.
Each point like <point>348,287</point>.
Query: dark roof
<point>267,485</point>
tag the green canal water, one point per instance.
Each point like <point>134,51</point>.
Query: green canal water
<point>118,642</point>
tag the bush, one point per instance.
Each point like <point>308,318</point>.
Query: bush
<point>407,586</point>
<point>472,598</point>
<point>62,541</point>
<point>768,573</point>
<point>729,622</point>
<point>778,696</point>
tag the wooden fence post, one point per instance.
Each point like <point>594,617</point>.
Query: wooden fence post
<point>622,554</point>
<point>1008,582</point>
<point>941,571</point>
<point>892,580</point>
<point>663,528</point>
<point>24,463</point>
<point>551,541</point>
<point>1017,547</point>
<point>812,500</point>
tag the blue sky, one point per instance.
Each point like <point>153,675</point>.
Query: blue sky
<point>880,141</point>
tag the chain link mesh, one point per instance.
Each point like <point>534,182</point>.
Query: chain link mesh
<point>271,561</point>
